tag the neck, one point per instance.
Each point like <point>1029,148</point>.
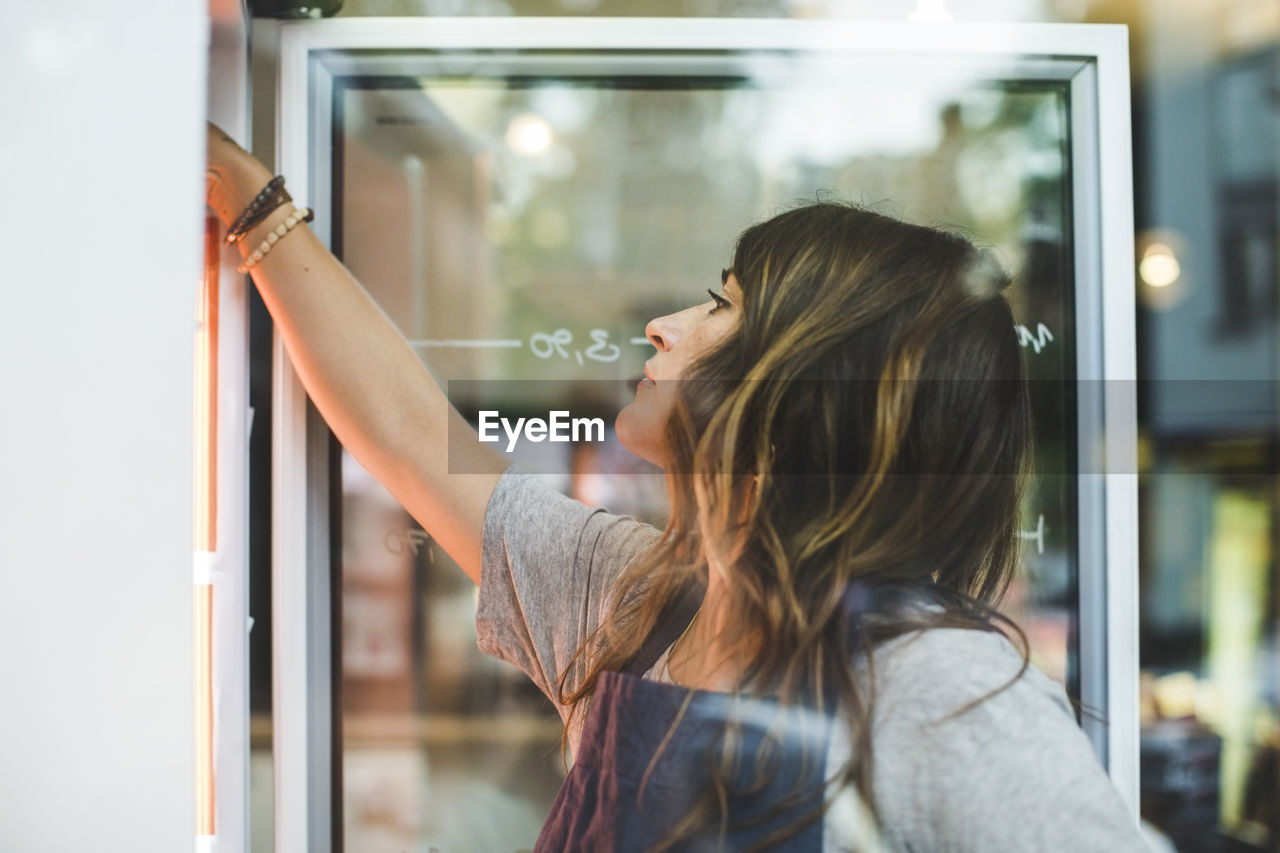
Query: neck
<point>707,656</point>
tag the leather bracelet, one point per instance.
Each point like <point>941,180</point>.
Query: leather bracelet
<point>272,196</point>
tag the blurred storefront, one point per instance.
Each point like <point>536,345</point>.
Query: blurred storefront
<point>1206,155</point>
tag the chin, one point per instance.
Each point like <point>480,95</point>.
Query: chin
<point>639,435</point>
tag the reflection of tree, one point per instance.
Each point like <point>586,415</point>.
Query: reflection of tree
<point>649,223</point>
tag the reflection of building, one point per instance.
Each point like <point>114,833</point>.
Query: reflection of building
<point>378,594</point>
<point>439,744</point>
<point>417,216</point>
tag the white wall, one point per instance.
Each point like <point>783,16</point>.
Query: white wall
<point>101,138</point>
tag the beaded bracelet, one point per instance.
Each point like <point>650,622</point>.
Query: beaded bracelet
<point>264,248</point>
<point>272,196</point>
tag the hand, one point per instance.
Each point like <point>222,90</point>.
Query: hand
<point>232,176</point>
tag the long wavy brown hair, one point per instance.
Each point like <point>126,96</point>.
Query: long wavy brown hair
<point>857,450</point>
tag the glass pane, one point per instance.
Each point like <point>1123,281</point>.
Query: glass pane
<point>521,218</point>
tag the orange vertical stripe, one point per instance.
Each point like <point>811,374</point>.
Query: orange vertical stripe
<point>205,794</point>
<point>206,514</point>
<point>207,396</point>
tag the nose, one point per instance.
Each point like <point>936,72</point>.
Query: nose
<point>663,332</point>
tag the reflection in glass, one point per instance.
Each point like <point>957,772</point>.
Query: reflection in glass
<point>525,224</point>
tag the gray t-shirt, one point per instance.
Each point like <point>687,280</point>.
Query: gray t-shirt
<point>1014,773</point>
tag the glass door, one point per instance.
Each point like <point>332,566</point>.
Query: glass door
<point>522,196</point>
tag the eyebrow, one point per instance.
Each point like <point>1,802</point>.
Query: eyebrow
<point>724,275</point>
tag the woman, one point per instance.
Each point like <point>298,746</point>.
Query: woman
<point>807,657</point>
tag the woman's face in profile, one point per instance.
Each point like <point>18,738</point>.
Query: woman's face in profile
<point>680,339</point>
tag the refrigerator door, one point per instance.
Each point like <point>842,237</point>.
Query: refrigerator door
<point>221,435</point>
<point>522,196</point>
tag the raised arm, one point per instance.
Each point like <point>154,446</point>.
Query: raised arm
<point>371,388</point>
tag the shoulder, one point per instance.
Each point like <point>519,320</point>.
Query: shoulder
<point>935,673</point>
<point>966,692</point>
<point>972,752</point>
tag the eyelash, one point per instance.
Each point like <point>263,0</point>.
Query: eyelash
<point>720,301</point>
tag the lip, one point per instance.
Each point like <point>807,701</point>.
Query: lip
<point>646,381</point>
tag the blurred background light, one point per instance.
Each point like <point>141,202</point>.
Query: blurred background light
<point>1164,274</point>
<point>1159,267</point>
<point>529,134</point>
